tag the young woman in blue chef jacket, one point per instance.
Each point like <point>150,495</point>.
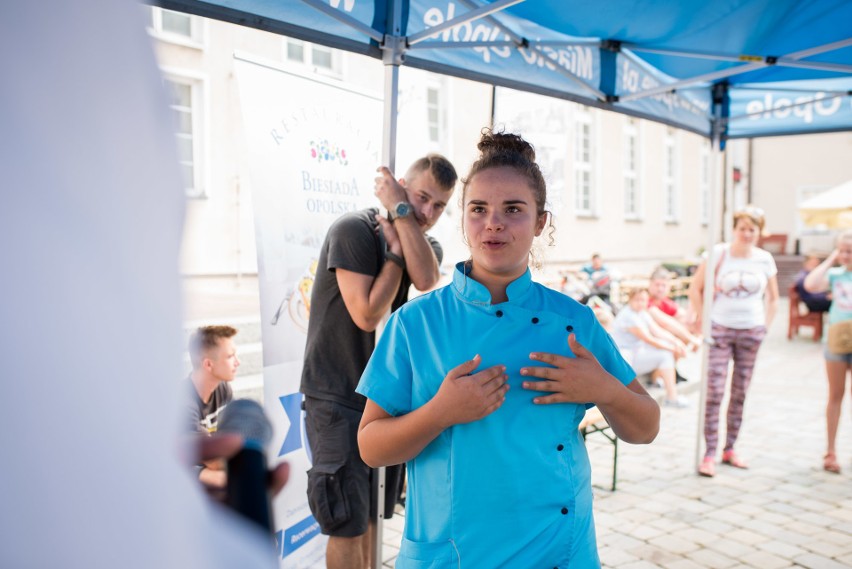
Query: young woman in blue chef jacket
<point>480,387</point>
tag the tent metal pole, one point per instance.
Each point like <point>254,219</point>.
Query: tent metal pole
<point>787,59</point>
<point>554,60</point>
<point>784,62</point>
<point>393,48</point>
<point>832,92</point>
<point>833,46</point>
<point>341,16</point>
<point>435,44</point>
<point>630,55</point>
<point>390,110</point>
<point>474,14</point>
<point>691,81</point>
<point>690,54</point>
<point>709,266</point>
<point>740,57</point>
<point>522,42</point>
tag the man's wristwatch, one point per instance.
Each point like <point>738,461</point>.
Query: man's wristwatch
<point>394,258</point>
<point>402,209</point>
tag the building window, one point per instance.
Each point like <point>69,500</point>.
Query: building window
<point>295,51</point>
<point>705,181</point>
<point>184,100</point>
<point>584,160</point>
<point>433,114</point>
<point>177,27</point>
<point>322,59</point>
<point>671,198</point>
<point>632,188</point>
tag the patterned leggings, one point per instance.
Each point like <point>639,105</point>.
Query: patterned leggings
<point>742,345</point>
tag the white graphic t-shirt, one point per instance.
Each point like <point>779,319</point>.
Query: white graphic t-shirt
<point>738,301</point>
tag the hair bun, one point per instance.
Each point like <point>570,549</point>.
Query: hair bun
<point>493,143</point>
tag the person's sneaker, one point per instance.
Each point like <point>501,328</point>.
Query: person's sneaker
<point>651,382</point>
<point>677,403</point>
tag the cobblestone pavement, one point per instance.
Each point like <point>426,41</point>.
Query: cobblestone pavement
<point>784,511</point>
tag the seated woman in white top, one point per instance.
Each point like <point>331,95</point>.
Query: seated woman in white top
<point>646,346</point>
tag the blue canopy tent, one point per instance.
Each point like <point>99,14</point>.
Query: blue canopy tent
<point>739,68</point>
<point>726,69</point>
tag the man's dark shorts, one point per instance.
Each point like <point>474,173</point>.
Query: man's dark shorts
<point>341,488</point>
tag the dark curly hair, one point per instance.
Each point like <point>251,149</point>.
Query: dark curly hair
<point>498,149</point>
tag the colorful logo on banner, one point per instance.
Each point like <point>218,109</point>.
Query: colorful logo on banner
<point>329,152</point>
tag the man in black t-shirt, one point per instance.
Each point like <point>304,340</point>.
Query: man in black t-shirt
<point>214,366</point>
<point>366,267</point>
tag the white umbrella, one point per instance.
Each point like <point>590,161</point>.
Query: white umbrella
<point>831,208</point>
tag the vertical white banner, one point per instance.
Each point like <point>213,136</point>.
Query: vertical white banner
<point>313,150</point>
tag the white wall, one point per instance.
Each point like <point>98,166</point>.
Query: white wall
<point>785,168</point>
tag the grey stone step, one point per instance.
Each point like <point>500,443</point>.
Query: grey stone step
<point>248,387</point>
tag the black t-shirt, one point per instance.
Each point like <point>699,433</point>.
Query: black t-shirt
<point>336,350</point>
<point>204,417</point>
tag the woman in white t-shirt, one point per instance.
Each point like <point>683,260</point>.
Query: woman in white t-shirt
<point>744,304</point>
<point>646,346</point>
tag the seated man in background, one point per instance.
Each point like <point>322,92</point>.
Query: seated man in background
<point>815,301</point>
<point>595,266</point>
<point>214,366</point>
<point>599,279</point>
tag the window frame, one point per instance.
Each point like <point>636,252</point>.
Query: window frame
<point>198,29</point>
<point>585,117</point>
<point>671,173</point>
<point>438,107</point>
<point>198,94</point>
<point>632,130</point>
<point>308,48</point>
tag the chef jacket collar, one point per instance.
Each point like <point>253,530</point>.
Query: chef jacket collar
<point>476,293</point>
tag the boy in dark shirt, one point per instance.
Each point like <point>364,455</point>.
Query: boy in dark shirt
<point>214,366</point>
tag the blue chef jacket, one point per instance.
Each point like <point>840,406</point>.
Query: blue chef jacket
<point>512,489</point>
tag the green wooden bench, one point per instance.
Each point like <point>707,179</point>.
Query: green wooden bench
<point>594,422</point>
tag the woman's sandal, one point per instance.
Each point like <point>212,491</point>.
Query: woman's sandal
<point>830,464</point>
<point>730,458</point>
<point>707,467</point>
